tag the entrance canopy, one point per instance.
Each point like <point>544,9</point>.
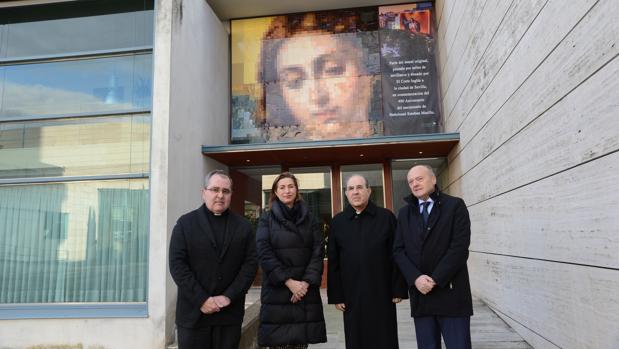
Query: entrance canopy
<point>343,152</point>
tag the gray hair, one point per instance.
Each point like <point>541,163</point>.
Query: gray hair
<point>428,167</point>
<point>367,183</point>
<point>221,173</point>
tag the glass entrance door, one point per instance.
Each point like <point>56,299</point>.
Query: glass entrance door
<point>315,186</point>
<point>374,175</point>
<point>252,188</point>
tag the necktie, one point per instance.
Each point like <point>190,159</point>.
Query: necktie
<point>425,213</point>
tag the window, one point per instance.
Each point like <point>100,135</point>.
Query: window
<point>69,28</point>
<point>97,85</point>
<point>75,146</point>
<point>76,87</point>
<point>373,173</point>
<point>74,242</point>
<point>399,170</point>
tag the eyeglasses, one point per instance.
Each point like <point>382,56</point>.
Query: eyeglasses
<point>216,190</point>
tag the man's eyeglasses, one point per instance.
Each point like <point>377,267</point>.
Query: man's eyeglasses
<point>216,190</point>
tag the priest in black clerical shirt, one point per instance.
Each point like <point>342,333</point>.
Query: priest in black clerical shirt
<point>217,222</point>
<point>363,281</point>
<point>213,262</point>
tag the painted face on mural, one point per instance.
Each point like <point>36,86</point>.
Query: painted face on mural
<point>323,85</point>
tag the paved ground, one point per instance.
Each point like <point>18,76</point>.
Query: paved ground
<point>488,331</point>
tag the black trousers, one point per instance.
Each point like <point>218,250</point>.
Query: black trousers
<point>210,337</point>
<point>456,332</point>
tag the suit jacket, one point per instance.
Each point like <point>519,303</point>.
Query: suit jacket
<point>440,251</point>
<point>201,269</point>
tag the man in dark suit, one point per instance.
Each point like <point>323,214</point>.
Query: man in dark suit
<point>431,249</point>
<point>213,262</point>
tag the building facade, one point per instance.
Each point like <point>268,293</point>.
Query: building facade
<point>112,112</point>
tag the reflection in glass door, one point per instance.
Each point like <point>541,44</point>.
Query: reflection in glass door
<point>399,170</point>
<point>252,188</point>
<point>315,187</point>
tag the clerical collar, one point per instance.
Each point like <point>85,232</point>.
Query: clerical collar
<point>364,209</point>
<point>224,213</point>
<point>351,212</point>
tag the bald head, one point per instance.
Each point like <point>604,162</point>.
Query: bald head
<point>365,180</point>
<point>358,192</point>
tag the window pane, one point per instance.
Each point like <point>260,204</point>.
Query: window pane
<point>3,35</point>
<point>75,147</point>
<point>74,27</point>
<point>83,86</point>
<point>257,188</point>
<point>315,188</point>
<point>74,242</point>
<point>2,83</point>
<point>399,170</point>
<point>373,173</point>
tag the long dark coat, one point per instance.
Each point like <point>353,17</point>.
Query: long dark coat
<point>200,269</point>
<point>290,250</point>
<point>363,276</point>
<point>439,251</point>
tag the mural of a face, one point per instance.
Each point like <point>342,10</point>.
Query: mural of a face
<point>324,86</point>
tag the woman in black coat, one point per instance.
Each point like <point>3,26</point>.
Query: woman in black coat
<point>290,251</point>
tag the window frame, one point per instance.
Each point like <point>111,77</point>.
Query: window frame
<point>13,311</point>
<point>95,310</point>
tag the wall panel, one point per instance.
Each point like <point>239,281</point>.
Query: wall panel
<point>569,305</point>
<point>581,127</point>
<point>439,6</point>
<point>550,27</point>
<point>533,339</point>
<point>536,99</point>
<point>578,56</point>
<point>491,18</point>
<point>517,19</point>
<point>561,218</point>
<point>468,20</point>
<point>448,28</point>
<point>198,114</point>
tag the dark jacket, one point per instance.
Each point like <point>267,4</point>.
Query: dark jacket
<point>290,249</point>
<point>363,276</point>
<point>201,269</point>
<point>439,251</point>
